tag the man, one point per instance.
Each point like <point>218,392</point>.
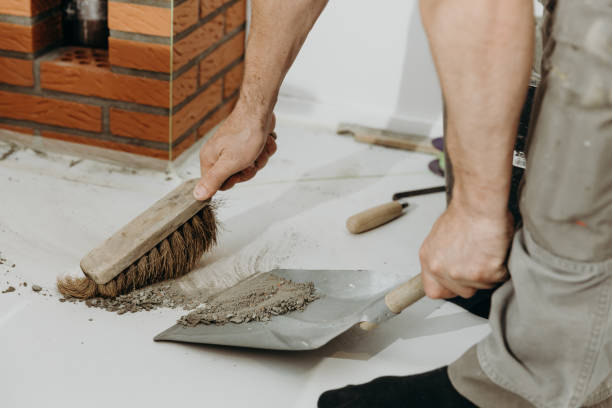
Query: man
<point>551,340</point>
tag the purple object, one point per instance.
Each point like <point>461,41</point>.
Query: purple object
<point>438,143</point>
<point>435,168</point>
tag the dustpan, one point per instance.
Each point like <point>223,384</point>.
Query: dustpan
<point>346,298</point>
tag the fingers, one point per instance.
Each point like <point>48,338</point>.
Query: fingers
<point>250,172</point>
<point>241,176</point>
<point>212,179</point>
<point>433,289</point>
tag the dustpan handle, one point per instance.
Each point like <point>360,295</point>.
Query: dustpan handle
<point>405,294</point>
<point>400,298</point>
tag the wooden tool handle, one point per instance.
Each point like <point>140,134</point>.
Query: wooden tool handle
<point>398,143</point>
<point>412,142</point>
<point>400,298</point>
<point>405,294</point>
<point>373,217</point>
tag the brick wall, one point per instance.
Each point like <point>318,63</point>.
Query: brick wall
<point>120,98</point>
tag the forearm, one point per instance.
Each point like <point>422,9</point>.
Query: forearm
<point>278,30</point>
<point>483,51</point>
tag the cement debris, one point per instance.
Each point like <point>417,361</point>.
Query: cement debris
<point>160,295</point>
<point>256,299</point>
<point>36,288</point>
<point>9,289</point>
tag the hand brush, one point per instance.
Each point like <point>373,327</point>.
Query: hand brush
<point>164,242</point>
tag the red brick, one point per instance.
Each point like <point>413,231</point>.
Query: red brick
<point>217,117</point>
<point>137,18</point>
<point>233,79</point>
<point>16,71</point>
<point>185,85</point>
<point>15,7</point>
<point>235,16</point>
<point>139,125</point>
<point>91,80</point>
<point>14,37</point>
<point>208,6</point>
<point>106,144</point>
<point>26,8</point>
<point>50,111</point>
<point>184,145</point>
<point>196,109</point>
<point>18,129</point>
<point>138,55</point>
<point>227,53</point>
<point>185,15</point>
<point>198,41</point>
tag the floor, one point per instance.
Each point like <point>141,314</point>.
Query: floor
<point>54,209</point>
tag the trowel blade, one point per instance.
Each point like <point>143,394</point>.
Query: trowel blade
<point>347,297</point>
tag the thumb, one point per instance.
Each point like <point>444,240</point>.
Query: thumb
<point>211,181</point>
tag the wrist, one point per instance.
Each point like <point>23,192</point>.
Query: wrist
<point>247,112</point>
<point>489,202</point>
<point>256,100</point>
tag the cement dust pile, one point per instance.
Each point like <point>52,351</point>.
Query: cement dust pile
<point>257,298</point>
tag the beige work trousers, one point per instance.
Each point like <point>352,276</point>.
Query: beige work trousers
<point>551,339</point>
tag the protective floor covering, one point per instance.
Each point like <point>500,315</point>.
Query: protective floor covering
<point>54,209</point>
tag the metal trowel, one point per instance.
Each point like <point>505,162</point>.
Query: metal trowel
<point>346,299</point>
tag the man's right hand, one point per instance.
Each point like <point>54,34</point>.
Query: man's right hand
<point>240,147</point>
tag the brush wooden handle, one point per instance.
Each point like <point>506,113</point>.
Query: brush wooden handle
<point>373,217</point>
<point>141,234</point>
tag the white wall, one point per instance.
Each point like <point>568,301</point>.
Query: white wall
<point>366,62</point>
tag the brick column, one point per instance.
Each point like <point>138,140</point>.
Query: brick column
<point>207,51</point>
<point>120,98</point>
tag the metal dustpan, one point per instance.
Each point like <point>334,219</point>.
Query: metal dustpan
<point>346,299</point>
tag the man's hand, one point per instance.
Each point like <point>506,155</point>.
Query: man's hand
<point>236,152</point>
<point>244,142</point>
<point>465,252</point>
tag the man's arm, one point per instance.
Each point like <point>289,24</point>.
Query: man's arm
<point>242,144</point>
<point>482,50</point>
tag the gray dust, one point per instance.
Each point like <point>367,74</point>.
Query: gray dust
<point>255,299</point>
<point>160,295</point>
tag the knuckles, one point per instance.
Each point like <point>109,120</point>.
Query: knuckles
<point>434,291</point>
<point>467,293</point>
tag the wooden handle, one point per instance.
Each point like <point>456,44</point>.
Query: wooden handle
<point>398,143</point>
<point>405,294</point>
<point>400,298</point>
<point>373,217</point>
<point>412,142</point>
<point>141,234</point>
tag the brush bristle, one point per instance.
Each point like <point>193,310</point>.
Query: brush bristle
<point>173,257</point>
